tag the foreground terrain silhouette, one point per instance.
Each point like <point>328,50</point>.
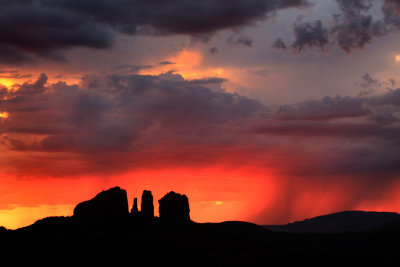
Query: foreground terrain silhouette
<point>104,232</point>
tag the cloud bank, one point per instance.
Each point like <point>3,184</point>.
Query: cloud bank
<point>128,116</point>
<point>353,28</point>
<point>119,122</point>
<point>34,29</point>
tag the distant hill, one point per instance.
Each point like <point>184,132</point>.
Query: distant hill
<point>340,222</point>
<point>102,232</point>
<point>129,240</point>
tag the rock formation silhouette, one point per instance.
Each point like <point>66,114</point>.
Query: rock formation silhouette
<point>135,210</point>
<point>110,203</point>
<point>174,207</point>
<point>96,239</point>
<point>113,202</point>
<point>147,206</point>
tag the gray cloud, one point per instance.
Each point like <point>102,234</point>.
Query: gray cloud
<point>331,108</point>
<point>325,109</point>
<point>370,84</point>
<point>362,134</point>
<point>353,28</point>
<point>114,123</point>
<point>178,16</point>
<point>11,55</point>
<point>391,13</point>
<point>34,29</point>
<point>312,35</point>
<point>123,115</point>
<point>29,28</point>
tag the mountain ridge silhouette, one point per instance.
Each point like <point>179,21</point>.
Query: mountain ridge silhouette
<point>339,222</point>
<point>134,238</point>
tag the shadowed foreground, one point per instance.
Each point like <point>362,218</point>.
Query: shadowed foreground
<point>94,237</point>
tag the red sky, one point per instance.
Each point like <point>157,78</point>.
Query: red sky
<point>252,113</point>
<point>215,194</point>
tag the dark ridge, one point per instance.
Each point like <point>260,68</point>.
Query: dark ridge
<point>91,239</point>
<point>340,222</point>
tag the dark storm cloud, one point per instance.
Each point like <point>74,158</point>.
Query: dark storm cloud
<point>362,134</point>
<point>11,55</point>
<point>312,35</point>
<point>127,116</point>
<point>331,130</point>
<point>373,107</point>
<point>42,28</point>
<point>29,28</point>
<point>113,123</point>
<point>354,27</point>
<point>178,16</point>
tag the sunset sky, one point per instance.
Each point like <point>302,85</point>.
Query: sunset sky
<point>268,111</point>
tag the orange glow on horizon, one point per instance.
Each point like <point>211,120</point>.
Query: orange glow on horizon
<point>397,58</point>
<point>17,217</point>
<point>215,195</point>
<point>391,202</point>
